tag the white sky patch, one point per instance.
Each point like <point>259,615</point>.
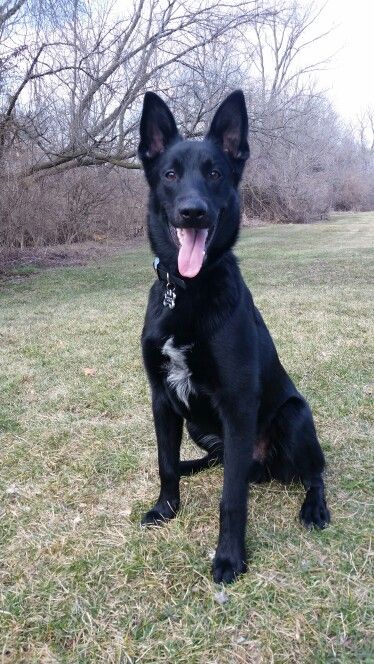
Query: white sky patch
<point>349,78</point>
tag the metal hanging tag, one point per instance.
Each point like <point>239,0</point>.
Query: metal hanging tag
<point>170,294</point>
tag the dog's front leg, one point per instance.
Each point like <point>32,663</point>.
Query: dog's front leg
<point>169,428</point>
<point>239,436</point>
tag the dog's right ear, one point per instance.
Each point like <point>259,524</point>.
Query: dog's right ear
<point>157,128</point>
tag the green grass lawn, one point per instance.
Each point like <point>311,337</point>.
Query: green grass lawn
<point>81,582</point>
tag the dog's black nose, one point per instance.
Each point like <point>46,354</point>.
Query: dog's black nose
<point>192,211</point>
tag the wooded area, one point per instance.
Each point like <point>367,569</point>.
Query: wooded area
<point>72,79</point>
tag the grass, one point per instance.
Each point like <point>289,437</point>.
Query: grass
<point>81,582</point>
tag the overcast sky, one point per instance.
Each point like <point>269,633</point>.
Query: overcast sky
<point>350,76</point>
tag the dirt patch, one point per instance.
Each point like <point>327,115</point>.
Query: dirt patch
<point>18,264</point>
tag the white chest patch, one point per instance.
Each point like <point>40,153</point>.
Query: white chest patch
<point>178,373</point>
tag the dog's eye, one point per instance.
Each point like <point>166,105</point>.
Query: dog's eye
<point>214,174</point>
<point>170,175</point>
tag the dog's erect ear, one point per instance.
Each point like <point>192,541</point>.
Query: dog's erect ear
<point>157,128</point>
<point>229,127</point>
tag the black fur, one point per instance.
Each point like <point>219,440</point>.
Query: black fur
<point>243,409</point>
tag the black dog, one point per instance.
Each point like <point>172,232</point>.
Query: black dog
<point>209,356</point>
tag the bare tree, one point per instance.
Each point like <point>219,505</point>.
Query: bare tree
<point>280,44</point>
<point>294,128</point>
<point>365,131</point>
<point>76,97</point>
<point>201,81</point>
<point>72,78</point>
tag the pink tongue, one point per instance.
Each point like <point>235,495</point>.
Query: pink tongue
<point>191,253</point>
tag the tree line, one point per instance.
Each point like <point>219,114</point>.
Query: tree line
<point>72,78</point>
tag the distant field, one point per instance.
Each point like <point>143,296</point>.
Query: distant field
<point>81,582</point>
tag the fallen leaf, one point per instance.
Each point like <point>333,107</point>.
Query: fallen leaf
<point>89,371</point>
<point>12,490</point>
<point>76,521</point>
<point>221,597</point>
<point>240,639</point>
<point>125,512</point>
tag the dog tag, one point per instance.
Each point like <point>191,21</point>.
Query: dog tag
<point>170,296</point>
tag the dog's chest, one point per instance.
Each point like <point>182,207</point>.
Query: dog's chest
<point>178,372</point>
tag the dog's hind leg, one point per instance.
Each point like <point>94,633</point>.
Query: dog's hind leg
<point>297,454</point>
<point>211,443</point>
<point>309,460</point>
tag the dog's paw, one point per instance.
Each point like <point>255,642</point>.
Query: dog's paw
<point>227,568</point>
<point>153,518</point>
<point>160,514</point>
<point>314,512</point>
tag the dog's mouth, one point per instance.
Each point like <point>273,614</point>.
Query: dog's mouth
<point>192,244</point>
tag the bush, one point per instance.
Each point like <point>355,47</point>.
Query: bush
<point>81,204</point>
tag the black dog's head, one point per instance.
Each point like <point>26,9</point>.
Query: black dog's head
<point>194,212</point>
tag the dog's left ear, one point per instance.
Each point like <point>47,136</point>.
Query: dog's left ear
<point>229,129</point>
<point>157,128</point>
